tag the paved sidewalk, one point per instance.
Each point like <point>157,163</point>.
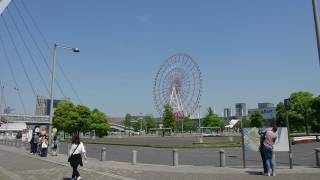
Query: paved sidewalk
<point>118,170</point>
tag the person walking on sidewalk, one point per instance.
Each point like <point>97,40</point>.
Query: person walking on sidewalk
<point>76,152</point>
<point>270,139</point>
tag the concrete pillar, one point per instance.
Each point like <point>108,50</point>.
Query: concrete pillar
<point>175,157</point>
<point>274,163</point>
<point>103,154</point>
<point>317,157</point>
<point>134,157</point>
<point>222,156</point>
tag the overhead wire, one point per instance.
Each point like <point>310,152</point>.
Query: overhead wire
<point>47,45</point>
<point>12,73</point>
<point>36,44</point>
<point>29,52</point>
<point>19,57</point>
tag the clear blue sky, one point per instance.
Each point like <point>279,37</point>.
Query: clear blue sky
<point>248,51</point>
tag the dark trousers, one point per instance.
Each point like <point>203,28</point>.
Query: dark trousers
<point>44,152</point>
<point>263,157</point>
<point>31,147</point>
<point>75,172</point>
<point>35,148</point>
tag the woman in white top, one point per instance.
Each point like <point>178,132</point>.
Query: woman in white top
<point>76,152</point>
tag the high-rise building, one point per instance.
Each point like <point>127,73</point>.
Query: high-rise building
<point>43,106</point>
<point>241,109</point>
<point>267,109</point>
<point>265,105</point>
<point>227,113</point>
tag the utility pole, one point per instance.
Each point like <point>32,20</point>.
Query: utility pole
<point>316,22</point>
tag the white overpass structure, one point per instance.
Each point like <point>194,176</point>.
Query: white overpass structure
<point>21,118</point>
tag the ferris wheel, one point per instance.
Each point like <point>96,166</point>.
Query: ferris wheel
<point>178,83</point>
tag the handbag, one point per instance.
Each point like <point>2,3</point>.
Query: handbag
<point>70,157</point>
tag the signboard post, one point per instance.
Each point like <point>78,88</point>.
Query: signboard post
<point>287,104</point>
<point>243,147</point>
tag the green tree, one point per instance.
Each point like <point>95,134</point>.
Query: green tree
<point>301,107</point>
<point>256,119</point>
<point>99,123</point>
<point>315,115</point>
<point>74,119</point>
<point>65,117</point>
<point>246,123</point>
<point>188,124</point>
<point>127,120</point>
<point>281,115</point>
<point>296,121</point>
<point>138,125</point>
<point>168,117</point>
<point>84,119</point>
<point>212,120</point>
<point>149,122</point>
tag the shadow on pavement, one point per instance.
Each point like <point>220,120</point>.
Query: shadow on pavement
<point>257,173</point>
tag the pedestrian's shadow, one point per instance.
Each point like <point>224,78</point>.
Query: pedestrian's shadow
<point>66,178</point>
<point>256,173</point>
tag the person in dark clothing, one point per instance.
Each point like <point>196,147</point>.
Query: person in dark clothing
<point>31,144</point>
<point>262,134</point>
<point>35,143</point>
<point>76,152</point>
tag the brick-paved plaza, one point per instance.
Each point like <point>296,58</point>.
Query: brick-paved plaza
<point>17,164</point>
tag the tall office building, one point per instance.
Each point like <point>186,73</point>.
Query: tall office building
<point>267,109</point>
<point>241,109</point>
<point>227,113</point>
<point>43,106</point>
<point>265,105</point>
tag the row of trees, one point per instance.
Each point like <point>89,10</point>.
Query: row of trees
<point>210,120</point>
<point>72,119</point>
<point>303,112</point>
<point>144,123</point>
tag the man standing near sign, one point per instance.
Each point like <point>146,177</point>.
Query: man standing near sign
<point>270,139</point>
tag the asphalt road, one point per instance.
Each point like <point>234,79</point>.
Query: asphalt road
<point>303,155</point>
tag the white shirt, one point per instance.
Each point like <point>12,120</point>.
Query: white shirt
<point>80,149</point>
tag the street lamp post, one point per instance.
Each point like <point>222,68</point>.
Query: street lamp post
<point>316,22</point>
<point>53,81</point>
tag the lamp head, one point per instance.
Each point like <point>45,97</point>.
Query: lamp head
<point>76,50</point>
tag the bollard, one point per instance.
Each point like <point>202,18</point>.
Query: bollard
<point>200,139</point>
<point>134,157</point>
<point>317,157</point>
<point>68,148</point>
<point>317,138</point>
<point>222,158</point>
<point>175,157</point>
<point>103,154</point>
<point>274,163</point>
